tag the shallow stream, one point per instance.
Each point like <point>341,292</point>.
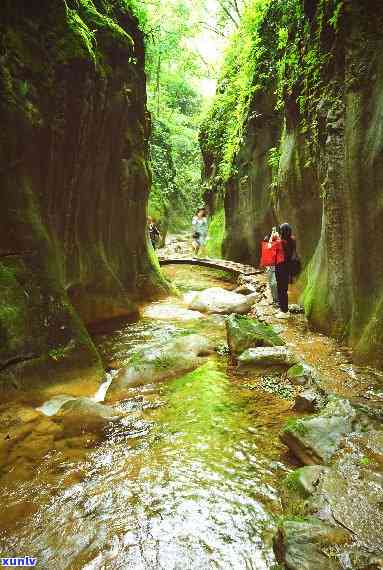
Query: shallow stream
<point>189,479</point>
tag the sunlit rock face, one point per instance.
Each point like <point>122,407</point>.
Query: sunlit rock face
<point>315,160</point>
<point>74,180</point>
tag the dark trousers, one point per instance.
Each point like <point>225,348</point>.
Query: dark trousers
<point>283,278</point>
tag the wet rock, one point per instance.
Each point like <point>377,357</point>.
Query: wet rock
<point>159,363</point>
<point>268,356</point>
<point>52,406</point>
<point>309,401</point>
<point>244,333</point>
<point>372,408</point>
<point>33,447</point>
<point>315,440</point>
<point>371,446</point>
<point>302,374</point>
<point>17,414</point>
<point>351,492</point>
<point>221,301</point>
<point>301,544</point>
<point>304,481</point>
<point>83,414</point>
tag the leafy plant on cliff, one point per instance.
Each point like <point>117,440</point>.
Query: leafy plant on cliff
<point>276,50</point>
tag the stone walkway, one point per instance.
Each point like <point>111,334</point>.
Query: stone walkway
<point>225,265</point>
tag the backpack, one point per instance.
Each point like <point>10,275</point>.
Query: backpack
<point>295,265</point>
<point>271,253</point>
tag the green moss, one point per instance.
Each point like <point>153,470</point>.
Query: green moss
<point>297,494</point>
<point>295,371</point>
<point>216,234</point>
<point>87,33</point>
<point>135,360</point>
<point>297,426</point>
<point>165,361</point>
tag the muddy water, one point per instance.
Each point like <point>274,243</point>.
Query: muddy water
<point>188,479</point>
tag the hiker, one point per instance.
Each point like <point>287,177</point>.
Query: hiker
<point>283,271</point>
<point>200,229</point>
<point>270,270</point>
<point>154,232</point>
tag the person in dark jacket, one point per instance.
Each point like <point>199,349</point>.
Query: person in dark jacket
<point>154,232</point>
<point>282,270</point>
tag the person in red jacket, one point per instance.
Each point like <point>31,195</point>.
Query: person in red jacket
<point>283,269</point>
<point>270,269</point>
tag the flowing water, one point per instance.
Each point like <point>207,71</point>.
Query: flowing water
<point>188,479</point>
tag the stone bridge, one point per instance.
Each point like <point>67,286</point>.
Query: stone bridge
<point>223,264</point>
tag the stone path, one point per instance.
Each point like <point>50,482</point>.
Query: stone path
<point>225,265</point>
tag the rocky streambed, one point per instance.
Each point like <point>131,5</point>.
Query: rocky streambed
<point>214,441</point>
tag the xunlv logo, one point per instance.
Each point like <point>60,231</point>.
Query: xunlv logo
<point>20,561</point>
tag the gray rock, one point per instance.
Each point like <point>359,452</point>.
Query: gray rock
<point>84,414</point>
<point>221,301</point>
<point>351,492</point>
<point>315,440</point>
<point>302,374</point>
<point>244,332</point>
<point>304,481</point>
<point>372,408</point>
<point>159,363</point>
<point>268,356</point>
<point>301,545</point>
<point>309,401</point>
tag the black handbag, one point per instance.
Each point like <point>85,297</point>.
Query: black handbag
<point>196,235</point>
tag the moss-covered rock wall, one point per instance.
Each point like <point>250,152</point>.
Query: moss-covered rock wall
<point>305,87</point>
<point>74,180</point>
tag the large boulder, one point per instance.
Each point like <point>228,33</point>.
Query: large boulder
<point>244,332</point>
<point>315,440</point>
<point>348,494</point>
<point>159,363</point>
<point>217,300</point>
<point>351,492</point>
<point>268,356</point>
<point>302,544</point>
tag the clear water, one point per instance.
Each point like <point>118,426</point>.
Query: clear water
<point>188,479</point>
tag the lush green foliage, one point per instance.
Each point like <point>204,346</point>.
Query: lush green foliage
<point>216,234</point>
<point>269,52</point>
<point>175,101</point>
<point>223,127</point>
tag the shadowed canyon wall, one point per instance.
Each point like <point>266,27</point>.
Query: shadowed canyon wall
<point>296,134</point>
<point>74,181</point>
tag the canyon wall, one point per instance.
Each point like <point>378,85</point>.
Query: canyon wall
<point>74,182</point>
<point>296,134</point>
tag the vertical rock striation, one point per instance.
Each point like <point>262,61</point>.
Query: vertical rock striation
<point>74,180</point>
<point>307,147</point>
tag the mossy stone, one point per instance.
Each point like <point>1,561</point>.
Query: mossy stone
<point>244,332</point>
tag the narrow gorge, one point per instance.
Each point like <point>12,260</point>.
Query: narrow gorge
<point>168,399</point>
